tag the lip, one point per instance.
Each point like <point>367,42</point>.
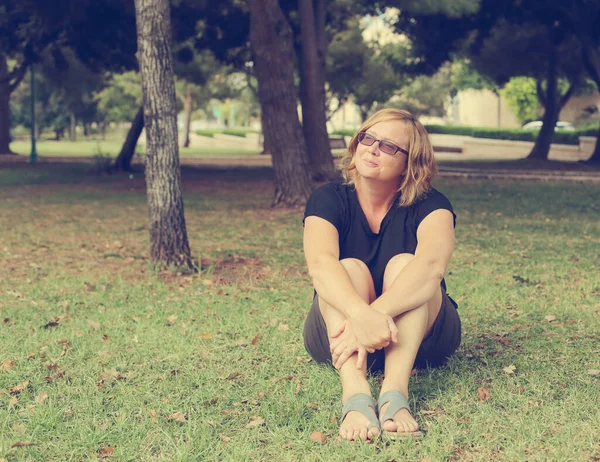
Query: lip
<point>369,163</point>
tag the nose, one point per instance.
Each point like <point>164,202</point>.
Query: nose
<point>374,149</point>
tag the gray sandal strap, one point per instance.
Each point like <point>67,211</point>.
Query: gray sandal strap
<point>366,405</point>
<point>397,401</point>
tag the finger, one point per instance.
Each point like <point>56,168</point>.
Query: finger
<point>340,349</point>
<point>362,358</point>
<point>393,330</point>
<point>338,331</point>
<point>349,351</point>
<point>334,343</point>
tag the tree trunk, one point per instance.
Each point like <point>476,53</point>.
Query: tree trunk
<point>4,107</point>
<point>168,236</point>
<point>596,154</point>
<point>541,147</point>
<point>591,61</point>
<point>312,93</point>
<point>123,160</point>
<point>271,40</point>
<point>187,109</point>
<point>72,126</point>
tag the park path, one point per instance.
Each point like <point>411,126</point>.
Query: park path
<point>468,168</point>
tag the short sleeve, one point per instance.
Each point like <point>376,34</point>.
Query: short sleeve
<point>433,201</point>
<point>326,202</point>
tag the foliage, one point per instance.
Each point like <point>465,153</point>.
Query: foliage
<point>121,97</point>
<point>426,94</point>
<point>521,95</point>
<point>517,134</point>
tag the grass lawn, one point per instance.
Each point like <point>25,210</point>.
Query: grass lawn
<point>101,357</point>
<point>111,148</point>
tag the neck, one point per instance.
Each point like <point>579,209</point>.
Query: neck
<point>376,195</point>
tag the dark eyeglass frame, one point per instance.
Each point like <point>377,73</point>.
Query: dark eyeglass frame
<point>387,147</point>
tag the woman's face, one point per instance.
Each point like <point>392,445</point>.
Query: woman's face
<point>374,164</point>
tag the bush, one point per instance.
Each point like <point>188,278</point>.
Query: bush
<point>512,134</point>
<point>241,132</point>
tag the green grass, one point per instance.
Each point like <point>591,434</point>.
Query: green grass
<point>112,147</point>
<point>110,351</point>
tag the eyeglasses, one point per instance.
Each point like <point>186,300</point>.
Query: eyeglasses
<point>384,146</point>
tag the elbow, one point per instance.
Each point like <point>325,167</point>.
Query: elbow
<point>315,267</point>
<point>437,268</point>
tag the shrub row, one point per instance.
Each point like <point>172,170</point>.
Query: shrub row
<point>515,134</point>
<point>210,132</point>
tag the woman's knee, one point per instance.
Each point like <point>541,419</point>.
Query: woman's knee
<point>361,277</point>
<point>394,267</point>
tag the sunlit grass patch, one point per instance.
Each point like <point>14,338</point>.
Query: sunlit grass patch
<point>100,356</point>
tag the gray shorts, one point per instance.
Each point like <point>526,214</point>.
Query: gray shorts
<point>436,348</point>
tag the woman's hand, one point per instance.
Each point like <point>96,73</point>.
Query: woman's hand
<point>344,344</point>
<point>374,330</point>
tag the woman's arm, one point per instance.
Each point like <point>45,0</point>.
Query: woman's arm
<point>331,281</point>
<point>417,282</point>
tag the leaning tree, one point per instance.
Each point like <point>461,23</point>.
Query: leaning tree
<point>271,39</point>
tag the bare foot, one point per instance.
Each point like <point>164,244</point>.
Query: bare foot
<point>403,421</point>
<point>355,427</point>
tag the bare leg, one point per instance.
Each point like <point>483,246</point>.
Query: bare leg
<point>353,380</point>
<point>413,326</point>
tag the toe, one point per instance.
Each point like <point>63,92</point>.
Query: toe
<point>363,434</point>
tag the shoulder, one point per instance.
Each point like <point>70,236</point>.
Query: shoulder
<point>432,200</point>
<point>329,201</point>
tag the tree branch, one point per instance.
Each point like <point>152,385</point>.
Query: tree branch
<point>589,64</point>
<point>563,100</point>
<point>17,74</point>
<point>540,92</point>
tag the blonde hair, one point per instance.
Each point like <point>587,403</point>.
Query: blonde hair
<point>421,167</point>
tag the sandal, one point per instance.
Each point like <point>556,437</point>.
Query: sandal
<point>366,405</point>
<point>397,401</point>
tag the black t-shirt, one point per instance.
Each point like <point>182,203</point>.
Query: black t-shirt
<point>338,204</point>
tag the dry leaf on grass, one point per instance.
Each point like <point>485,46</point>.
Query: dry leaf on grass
<point>18,388</point>
<point>153,416</point>
<point>504,340</point>
<point>171,319</point>
<point>256,421</point>
<point>21,444</point>
<point>283,327</point>
<point>7,365</point>
<point>93,324</point>
<point>43,396</point>
<point>256,338</point>
<point>224,438</point>
<point>593,372</point>
<point>318,437</point>
<point>178,416</point>
<point>112,372</point>
<point>233,375</point>
<point>105,451</point>
<point>550,318</point>
<point>483,394</point>
<point>18,428</point>
<point>509,369</point>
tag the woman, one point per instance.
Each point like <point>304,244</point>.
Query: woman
<point>377,246</point>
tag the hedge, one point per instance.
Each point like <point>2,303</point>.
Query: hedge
<point>515,134</point>
<point>225,131</point>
